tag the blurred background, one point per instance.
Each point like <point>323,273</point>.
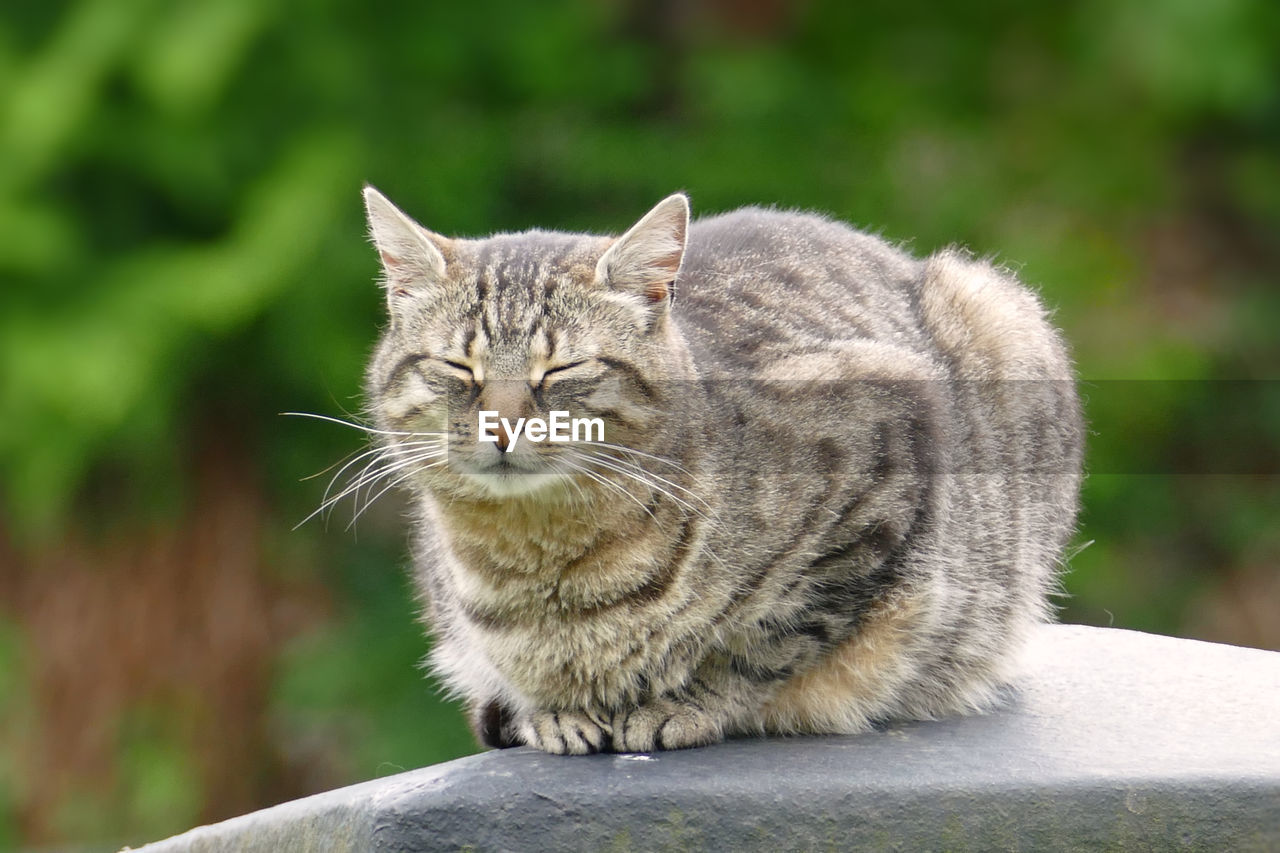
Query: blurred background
<point>182,257</point>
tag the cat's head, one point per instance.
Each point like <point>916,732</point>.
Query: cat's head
<point>526,326</point>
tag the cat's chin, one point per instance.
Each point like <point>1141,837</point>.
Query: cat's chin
<point>506,484</point>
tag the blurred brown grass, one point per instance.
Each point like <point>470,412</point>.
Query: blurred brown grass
<point>169,628</point>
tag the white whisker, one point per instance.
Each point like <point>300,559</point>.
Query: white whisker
<point>353,425</point>
<point>375,452</point>
<point>604,481</point>
<point>645,473</point>
<point>635,452</point>
<point>369,482</point>
<point>329,468</point>
<point>643,479</point>
<point>384,463</point>
<point>416,469</point>
<point>394,456</point>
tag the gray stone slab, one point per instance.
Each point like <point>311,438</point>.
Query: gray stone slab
<point>1114,740</point>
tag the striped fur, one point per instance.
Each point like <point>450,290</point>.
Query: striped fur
<point>837,483</point>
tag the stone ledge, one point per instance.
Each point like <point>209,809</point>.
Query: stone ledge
<point>1115,740</point>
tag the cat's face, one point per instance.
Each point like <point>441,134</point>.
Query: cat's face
<point>568,330</point>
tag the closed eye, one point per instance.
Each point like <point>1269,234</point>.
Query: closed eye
<point>562,368</point>
<point>540,382</point>
<point>460,367</point>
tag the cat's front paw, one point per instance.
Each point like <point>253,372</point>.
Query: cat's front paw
<point>664,724</point>
<point>565,732</point>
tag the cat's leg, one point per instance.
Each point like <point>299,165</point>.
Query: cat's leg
<point>493,724</point>
<point>565,732</point>
<point>713,705</point>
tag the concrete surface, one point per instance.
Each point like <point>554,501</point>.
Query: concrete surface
<point>1114,740</point>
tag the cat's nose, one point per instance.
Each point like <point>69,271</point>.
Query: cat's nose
<point>501,399</point>
<point>499,435</point>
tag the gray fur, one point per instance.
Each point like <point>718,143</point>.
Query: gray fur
<point>844,477</point>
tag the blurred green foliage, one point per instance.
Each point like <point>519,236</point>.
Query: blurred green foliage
<point>182,250</point>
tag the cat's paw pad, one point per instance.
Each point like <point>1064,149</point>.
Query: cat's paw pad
<point>664,724</point>
<point>565,732</point>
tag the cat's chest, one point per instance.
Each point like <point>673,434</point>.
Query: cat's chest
<point>573,634</point>
<point>533,570</point>
<point>564,662</point>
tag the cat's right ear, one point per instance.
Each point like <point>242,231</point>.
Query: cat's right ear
<point>411,258</point>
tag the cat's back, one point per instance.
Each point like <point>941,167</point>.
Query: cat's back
<point>759,285</point>
<point>758,282</point>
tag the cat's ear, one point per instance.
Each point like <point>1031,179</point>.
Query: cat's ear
<point>410,254</point>
<point>645,260</point>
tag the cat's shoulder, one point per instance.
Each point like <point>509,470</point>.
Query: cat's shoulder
<point>783,232</point>
<point>756,219</point>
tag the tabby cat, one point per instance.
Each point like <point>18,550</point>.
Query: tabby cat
<point>833,486</point>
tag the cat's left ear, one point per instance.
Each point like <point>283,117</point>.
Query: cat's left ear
<point>646,260</point>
